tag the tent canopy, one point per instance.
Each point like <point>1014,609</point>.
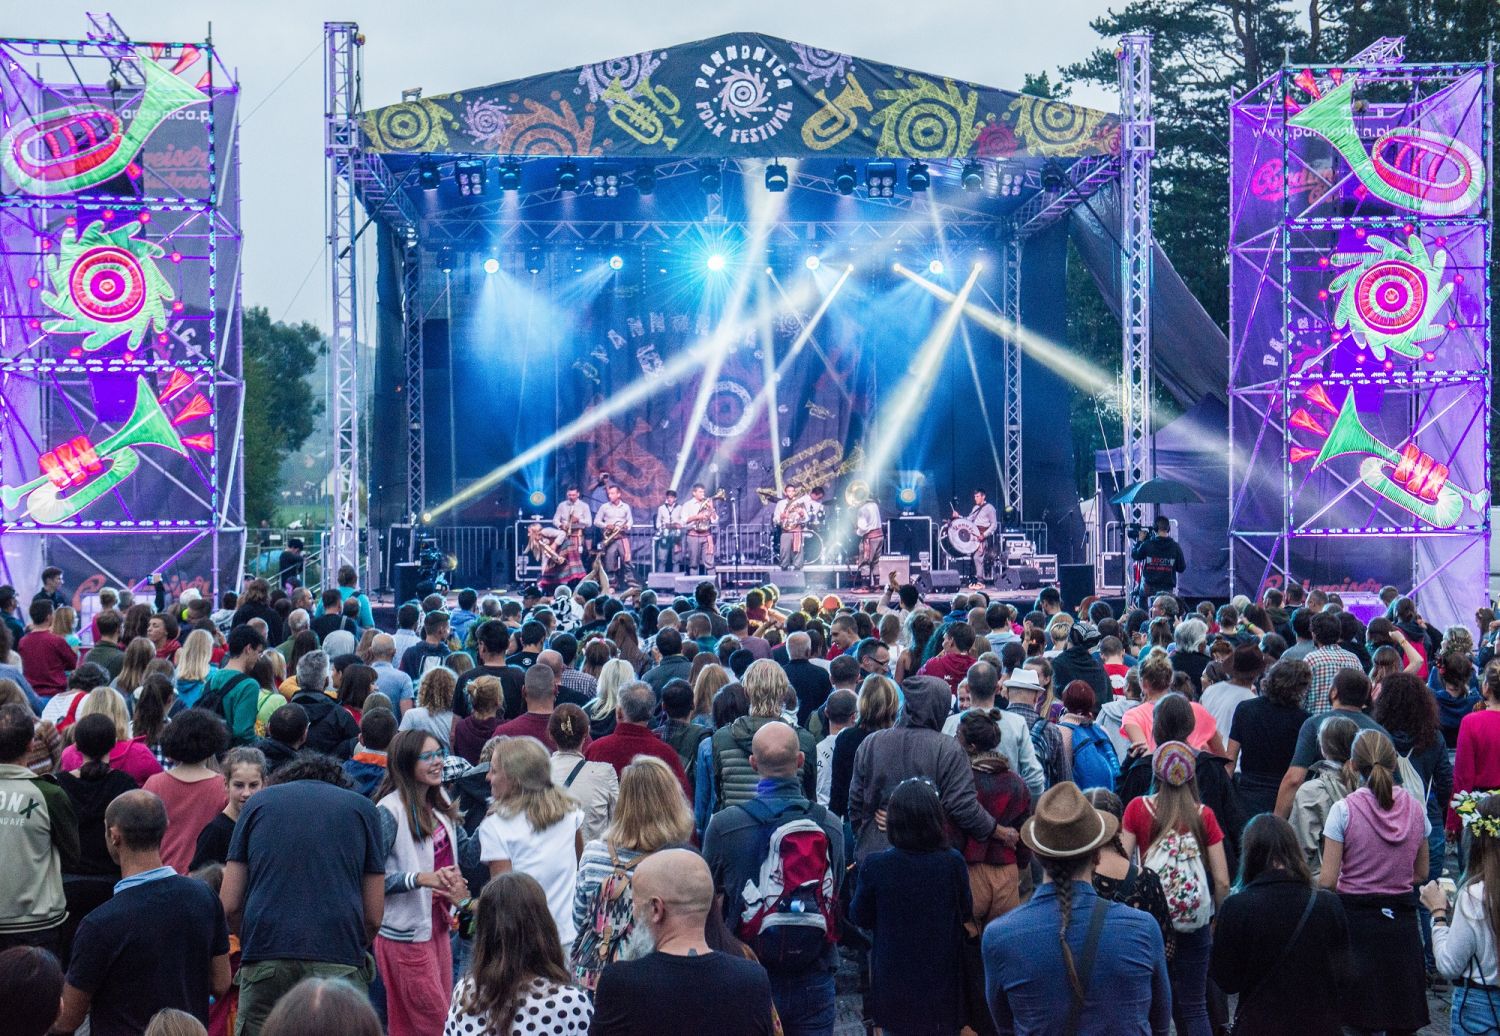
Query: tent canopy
<point>742,95</point>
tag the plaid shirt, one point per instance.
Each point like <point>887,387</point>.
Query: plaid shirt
<point>1326,663</point>
<point>577,680</point>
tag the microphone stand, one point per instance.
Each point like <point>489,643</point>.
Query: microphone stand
<point>734,518</point>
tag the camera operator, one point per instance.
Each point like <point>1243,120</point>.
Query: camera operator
<point>1160,557</point>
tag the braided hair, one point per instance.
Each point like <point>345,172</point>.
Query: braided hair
<point>1062,871</point>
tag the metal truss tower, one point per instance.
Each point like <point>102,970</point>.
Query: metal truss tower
<point>1138,145</point>
<point>1011,411</point>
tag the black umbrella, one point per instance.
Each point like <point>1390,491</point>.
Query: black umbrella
<point>1156,491</point>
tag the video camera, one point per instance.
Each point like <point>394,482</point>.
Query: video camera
<point>434,565</point>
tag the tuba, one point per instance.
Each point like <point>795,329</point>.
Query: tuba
<point>642,117</point>
<point>834,121</point>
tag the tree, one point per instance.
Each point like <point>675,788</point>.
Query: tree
<point>280,406</point>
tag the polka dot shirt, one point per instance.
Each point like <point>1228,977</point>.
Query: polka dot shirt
<point>546,1009</point>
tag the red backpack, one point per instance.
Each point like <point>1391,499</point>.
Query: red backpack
<point>789,914</point>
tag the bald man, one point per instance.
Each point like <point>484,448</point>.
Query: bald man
<point>561,695</point>
<point>707,991</point>
<point>389,680</point>
<point>734,845</point>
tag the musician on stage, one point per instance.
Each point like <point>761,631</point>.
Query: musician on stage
<point>871,534</point>
<point>790,516</point>
<point>698,518</point>
<point>548,546</point>
<point>668,531</point>
<point>614,520</point>
<point>815,509</point>
<point>573,517</point>
<point>983,517</point>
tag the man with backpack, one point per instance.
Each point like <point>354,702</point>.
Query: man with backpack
<point>1015,737</point>
<point>777,859</point>
<point>1023,688</point>
<point>231,691</point>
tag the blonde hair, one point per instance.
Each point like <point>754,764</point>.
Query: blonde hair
<point>612,678</point>
<point>195,655</point>
<point>528,783</point>
<point>435,692</point>
<point>711,679</point>
<point>485,693</point>
<point>878,702</point>
<point>651,812</point>
<point>63,621</point>
<point>767,688</point>
<point>1373,758</point>
<point>107,701</point>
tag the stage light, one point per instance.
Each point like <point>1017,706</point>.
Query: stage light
<point>973,175</point>
<point>710,178</point>
<point>470,175</point>
<point>776,177</point>
<point>907,495</point>
<point>445,260</point>
<point>510,175</point>
<point>935,267</point>
<point>812,262</point>
<point>843,179</point>
<point>716,262</point>
<point>411,93</point>
<point>917,177</point>
<point>880,179</point>
<point>537,498</point>
<point>1052,180</point>
<point>534,260</point>
<point>491,265</point>
<point>616,262</point>
<point>606,181</point>
<point>645,179</point>
<point>426,517</point>
<point>567,176</point>
<point>427,175</point>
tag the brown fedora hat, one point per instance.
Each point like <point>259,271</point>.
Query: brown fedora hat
<point>1066,825</point>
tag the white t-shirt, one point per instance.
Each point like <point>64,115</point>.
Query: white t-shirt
<point>1221,699</point>
<point>548,856</point>
<point>1338,819</point>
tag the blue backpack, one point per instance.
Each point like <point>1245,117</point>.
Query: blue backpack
<point>1095,764</point>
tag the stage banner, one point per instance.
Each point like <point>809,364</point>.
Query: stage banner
<point>741,95</point>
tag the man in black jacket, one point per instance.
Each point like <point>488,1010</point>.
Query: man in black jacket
<point>329,725</point>
<point>1161,560</point>
<point>1077,662</point>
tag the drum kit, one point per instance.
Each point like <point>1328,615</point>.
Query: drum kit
<point>961,537</point>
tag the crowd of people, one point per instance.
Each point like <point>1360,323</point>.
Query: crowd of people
<point>639,815</point>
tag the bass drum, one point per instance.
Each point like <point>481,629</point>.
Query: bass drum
<point>960,538</point>
<point>812,548</point>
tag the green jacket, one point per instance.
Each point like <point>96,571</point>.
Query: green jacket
<point>735,779</point>
<point>38,841</point>
<point>240,703</point>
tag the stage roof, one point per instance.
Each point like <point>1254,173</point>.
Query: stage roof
<point>742,95</point>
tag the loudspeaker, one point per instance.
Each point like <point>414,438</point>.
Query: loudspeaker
<point>888,563</point>
<point>1113,564</point>
<point>789,578</point>
<point>407,574</point>
<point>1074,582</point>
<point>939,579</point>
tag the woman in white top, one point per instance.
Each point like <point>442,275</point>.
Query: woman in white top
<point>518,984</point>
<point>433,713</point>
<point>593,785</point>
<point>533,826</point>
<point>1464,947</point>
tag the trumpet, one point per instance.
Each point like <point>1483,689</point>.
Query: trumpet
<point>1410,479</point>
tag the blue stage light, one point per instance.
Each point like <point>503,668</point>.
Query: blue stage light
<point>776,177</point>
<point>973,175</point>
<point>510,175</point>
<point>907,495</point>
<point>716,262</point>
<point>567,176</point>
<point>917,177</point>
<point>813,262</point>
<point>491,265</point>
<point>428,176</point>
<point>935,267</point>
<point>615,262</point>
<point>843,179</point>
<point>537,498</point>
<point>645,180</point>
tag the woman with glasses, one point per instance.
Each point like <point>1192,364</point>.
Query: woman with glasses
<point>423,843</point>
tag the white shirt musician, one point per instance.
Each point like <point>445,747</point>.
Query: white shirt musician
<point>983,516</point>
<point>573,515</point>
<point>698,517</point>
<point>615,518</point>
<point>790,515</point>
<point>871,535</point>
<point>668,531</point>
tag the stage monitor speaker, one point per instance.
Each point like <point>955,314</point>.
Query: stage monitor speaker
<point>1075,582</point>
<point>660,581</point>
<point>888,563</point>
<point>789,579</point>
<point>1114,568</point>
<point>939,580</point>
<point>407,575</point>
<point>911,535</point>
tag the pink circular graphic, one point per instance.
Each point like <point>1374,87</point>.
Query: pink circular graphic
<point>1427,169</point>
<point>107,284</point>
<point>1391,296</point>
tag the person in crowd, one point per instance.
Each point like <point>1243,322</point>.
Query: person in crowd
<point>879,704</point>
<point>811,683</point>
<point>137,656</point>
<point>128,755</point>
<point>1027,694</point>
<point>423,845</point>
<point>1090,754</point>
<point>734,848</point>
<point>1374,851</point>
<point>670,662</point>
<point>286,733</point>
<point>193,664</point>
<point>1328,781</point>
<point>842,712</point>
<point>603,710</point>
<point>1409,714</point>
<point>1327,659</point>
<point>1464,930</point>
<point>305,899</point>
<point>1179,838</point>
<point>709,991</point>
<point>46,658</point>
<point>163,631</point>
<point>355,682</point>
<point>234,687</point>
<point>1351,695</point>
<point>244,775</point>
<point>1156,681</point>
<point>31,985</point>
<point>91,786</point>
<point>329,725</point>
<point>365,768</point>
<point>1070,961</point>
<point>531,636</point>
<point>1223,699</point>
<point>632,737</point>
<point>45,755</point>
<point>678,731</point>
<point>624,634</point>
<point>553,660</point>
<point>914,898</point>
<point>540,689</point>
<point>160,942</point>
<point>1264,728</point>
<point>518,977</point>
<point>994,878</point>
<point>594,786</point>
<point>1118,878</point>
<point>389,680</point>
<point>331,617</point>
<point>472,732</point>
<point>1456,693</point>
<point>953,660</point>
<point>1189,640</point>
<point>921,626</point>
<point>1077,662</point>
<point>533,826</point>
<point>491,641</point>
<point>192,791</point>
<point>106,651</point>
<point>982,681</point>
<point>651,815</point>
<point>328,1006</point>
<point>730,704</point>
<point>431,649</point>
<point>155,704</point>
<point>434,709</point>
<point>1280,943</point>
<point>1476,761</point>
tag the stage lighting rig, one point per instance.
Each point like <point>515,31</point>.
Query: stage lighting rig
<point>935,267</point>
<point>427,175</point>
<point>880,179</point>
<point>510,175</point>
<point>567,177</point>
<point>606,181</point>
<point>972,176</point>
<point>777,179</point>
<point>917,177</point>
<point>445,260</point>
<point>710,178</point>
<point>534,259</point>
<point>843,179</point>
<point>812,262</point>
<point>470,175</point>
<point>645,180</point>
<point>492,264</point>
<point>1053,180</point>
<point>616,262</point>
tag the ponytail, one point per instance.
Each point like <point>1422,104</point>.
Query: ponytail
<point>1062,872</point>
<point>1373,757</point>
<point>1380,781</point>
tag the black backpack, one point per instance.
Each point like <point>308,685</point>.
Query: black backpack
<point>213,701</point>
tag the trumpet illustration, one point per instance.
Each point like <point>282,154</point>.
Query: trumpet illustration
<point>86,471</point>
<point>1409,478</point>
<point>642,116</point>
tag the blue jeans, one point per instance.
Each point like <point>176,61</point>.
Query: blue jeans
<point>804,1001</point>
<point>1188,971</point>
<point>1475,1011</point>
<point>462,948</point>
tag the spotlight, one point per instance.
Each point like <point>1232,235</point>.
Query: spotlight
<point>445,260</point>
<point>880,179</point>
<point>973,175</point>
<point>510,175</point>
<point>935,267</point>
<point>537,498</point>
<point>843,179</point>
<point>907,495</point>
<point>616,262</point>
<point>776,177</point>
<point>567,176</point>
<point>917,177</point>
<point>427,175</point>
<point>812,262</point>
<point>606,181</point>
<point>1052,180</point>
<point>426,517</point>
<point>534,260</point>
<point>645,179</point>
<point>491,265</point>
<point>710,178</point>
<point>716,262</point>
<point>470,177</point>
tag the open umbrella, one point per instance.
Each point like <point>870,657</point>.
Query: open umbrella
<point>1156,491</point>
